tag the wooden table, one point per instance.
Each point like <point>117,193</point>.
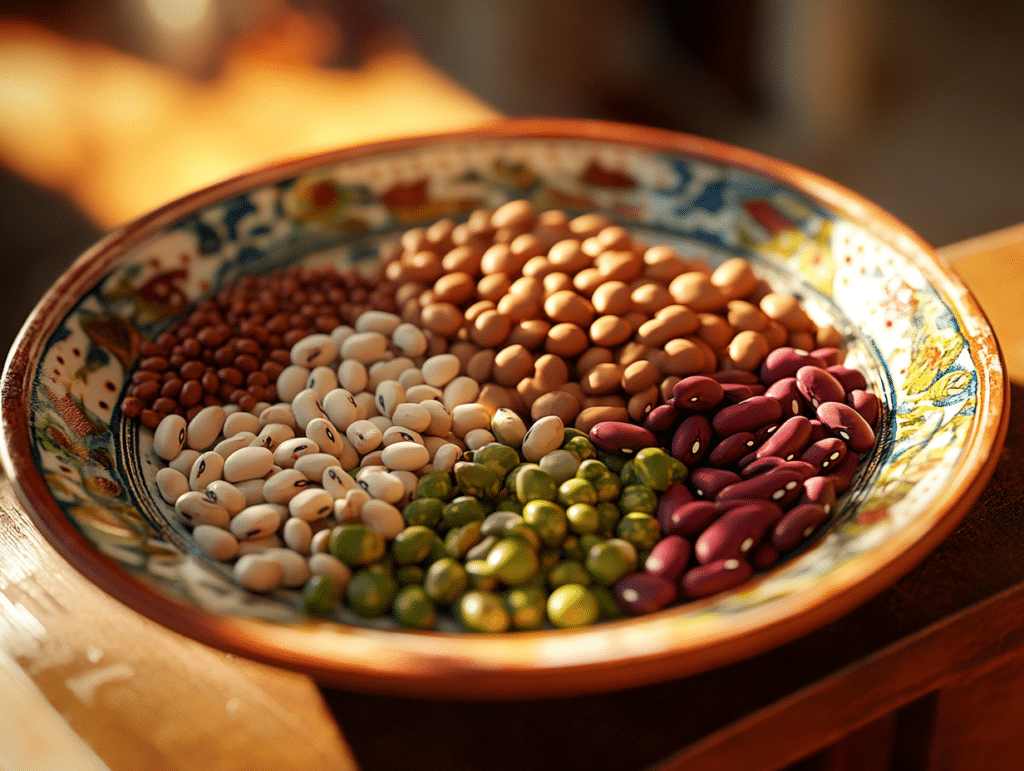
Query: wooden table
<point>929,674</point>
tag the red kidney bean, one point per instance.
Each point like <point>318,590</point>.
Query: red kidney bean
<point>850,378</point>
<point>842,472</point>
<point>749,415</point>
<point>825,453</point>
<point>827,356</point>
<point>866,403</point>
<point>669,557</point>
<point>688,519</point>
<point>692,439</point>
<point>736,532</point>
<point>736,376</point>
<point>781,486</point>
<point>819,431</point>
<point>662,418</point>
<point>764,556</point>
<point>785,391</point>
<point>624,438</point>
<point>757,389</point>
<point>733,447</point>
<point>769,463</point>
<point>715,577</point>
<point>848,425</point>
<point>820,490</point>
<point>788,441</point>
<point>797,525</point>
<point>708,481</point>
<point>698,393</point>
<point>817,386</point>
<point>641,593</point>
<point>784,362</point>
<point>737,392</point>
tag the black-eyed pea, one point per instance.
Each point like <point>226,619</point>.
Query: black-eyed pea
<point>388,395</point>
<point>353,375</point>
<point>257,521</point>
<point>408,340</point>
<point>695,290</point>
<point>314,350</point>
<point>682,357</point>
<point>642,402</point>
<point>207,467</point>
<point>490,329</point>
<point>639,376</point>
<point>170,436</point>
<point>467,417</point>
<point>241,421</point>
<point>420,417</point>
<point>312,504</point>
<point>602,379</point>
<point>381,484</point>
<point>171,483</point>
<point>271,436</point>
<point>745,316</point>
<point>337,482</point>
<point>252,489</point>
<point>196,508</point>
<point>747,350</point>
<point>441,369</point>
<point>341,332</point>
<point>320,541</point>
<point>382,423</point>
<point>446,456</point>
<point>258,573</point>
<point>610,331</point>
<point>225,494</point>
<point>410,377</point>
<point>734,278</point>
<point>295,570</point>
<point>788,311</point>
<point>305,407</point>
<point>324,564</point>
<point>204,428</point>
<point>586,281</point>
<point>340,408</point>
<point>215,542</point>
<point>477,438</point>
<point>248,463</point>
<point>419,394</point>
<point>314,465</point>
<point>544,436</point>
<point>406,455</point>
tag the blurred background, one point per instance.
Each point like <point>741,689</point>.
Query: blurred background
<point>109,109</point>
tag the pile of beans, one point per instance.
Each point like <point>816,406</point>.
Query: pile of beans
<point>231,348</point>
<point>518,402</point>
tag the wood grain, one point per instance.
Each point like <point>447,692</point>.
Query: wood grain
<point>139,695</point>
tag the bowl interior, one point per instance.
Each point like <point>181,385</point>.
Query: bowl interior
<point>87,473</point>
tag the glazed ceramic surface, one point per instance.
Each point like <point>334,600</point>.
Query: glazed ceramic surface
<point>87,474</point>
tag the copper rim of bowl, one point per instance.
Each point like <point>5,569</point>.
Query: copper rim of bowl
<point>607,656</point>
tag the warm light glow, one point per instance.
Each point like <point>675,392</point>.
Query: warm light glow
<point>178,14</point>
<point>121,135</point>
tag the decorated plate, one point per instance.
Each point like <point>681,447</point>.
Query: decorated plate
<point>87,473</point>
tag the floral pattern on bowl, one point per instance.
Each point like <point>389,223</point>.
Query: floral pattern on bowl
<point>929,356</point>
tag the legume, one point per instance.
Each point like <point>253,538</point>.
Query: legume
<point>510,429</point>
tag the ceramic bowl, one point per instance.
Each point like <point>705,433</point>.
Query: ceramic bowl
<point>86,474</point>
